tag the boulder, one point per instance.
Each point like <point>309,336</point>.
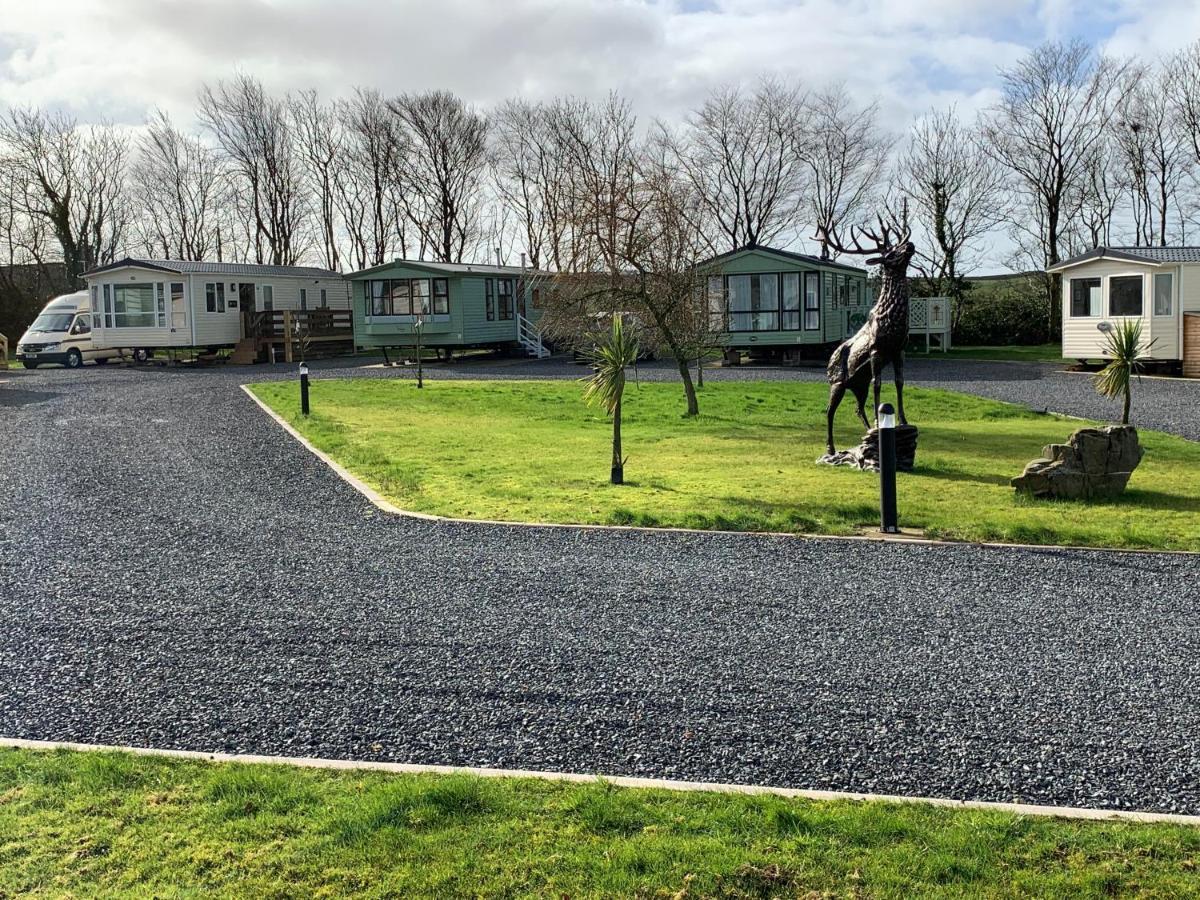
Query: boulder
<point>866,455</point>
<point>1094,464</point>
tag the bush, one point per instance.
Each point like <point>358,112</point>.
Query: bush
<point>1011,311</point>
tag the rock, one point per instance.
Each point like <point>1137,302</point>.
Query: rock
<point>866,455</point>
<point>1094,464</point>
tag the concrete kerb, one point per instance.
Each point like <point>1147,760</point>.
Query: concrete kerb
<point>385,505</point>
<point>1021,809</point>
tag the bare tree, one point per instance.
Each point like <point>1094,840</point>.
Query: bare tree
<point>531,169</point>
<point>956,193</point>
<point>370,190</point>
<point>1096,199</point>
<point>319,137</point>
<point>1155,151</point>
<point>257,134</point>
<point>444,170</point>
<point>1055,107</point>
<point>634,249</point>
<point>846,154</point>
<point>72,178</point>
<point>181,191</point>
<point>738,152</point>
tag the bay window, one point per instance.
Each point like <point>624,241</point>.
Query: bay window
<point>1125,295</point>
<point>133,306</point>
<point>420,297</point>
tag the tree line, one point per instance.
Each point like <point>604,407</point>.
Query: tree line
<point>1080,149</point>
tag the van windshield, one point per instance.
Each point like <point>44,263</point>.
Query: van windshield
<point>52,322</point>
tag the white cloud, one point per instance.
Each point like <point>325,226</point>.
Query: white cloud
<point>119,59</point>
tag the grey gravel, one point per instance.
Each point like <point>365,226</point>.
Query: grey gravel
<point>177,572</point>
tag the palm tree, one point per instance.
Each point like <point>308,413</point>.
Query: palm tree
<point>1123,347</point>
<point>612,354</point>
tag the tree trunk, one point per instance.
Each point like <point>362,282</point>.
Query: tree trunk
<point>689,389</point>
<point>618,467</point>
<point>1125,410</point>
<point>700,372</point>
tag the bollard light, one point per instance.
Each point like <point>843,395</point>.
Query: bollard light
<point>888,522</point>
<point>304,388</point>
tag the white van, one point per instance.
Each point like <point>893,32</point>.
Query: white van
<point>62,333</point>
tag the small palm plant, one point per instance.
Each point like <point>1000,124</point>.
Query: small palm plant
<point>1123,347</point>
<point>613,353</point>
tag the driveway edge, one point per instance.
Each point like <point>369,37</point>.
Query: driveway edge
<point>630,781</point>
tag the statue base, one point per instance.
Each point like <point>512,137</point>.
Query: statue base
<point>866,455</point>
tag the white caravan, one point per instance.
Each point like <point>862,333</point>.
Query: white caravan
<point>62,333</point>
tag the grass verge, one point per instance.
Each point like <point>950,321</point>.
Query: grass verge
<point>532,451</point>
<point>1011,353</point>
<point>86,824</point>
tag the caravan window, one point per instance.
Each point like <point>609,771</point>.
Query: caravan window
<point>214,297</point>
<point>812,301</point>
<point>303,298</point>
<point>441,297</point>
<point>1163,293</point>
<point>1085,297</point>
<point>133,306</point>
<point>268,295</point>
<point>324,299</point>
<point>791,301</point>
<point>489,298</point>
<point>420,296</point>
<point>1125,295</point>
<point>505,286</point>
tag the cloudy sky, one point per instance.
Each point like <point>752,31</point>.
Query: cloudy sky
<point>119,59</point>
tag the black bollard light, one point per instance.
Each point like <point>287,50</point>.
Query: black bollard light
<point>304,388</point>
<point>887,470</point>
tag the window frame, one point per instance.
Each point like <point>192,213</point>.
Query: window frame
<point>324,298</point>
<point>1141,279</point>
<point>440,297</point>
<point>214,296</point>
<point>1170,295</point>
<point>1071,313</point>
<point>303,298</point>
<point>118,290</point>
<point>812,310</point>
<point>504,310</point>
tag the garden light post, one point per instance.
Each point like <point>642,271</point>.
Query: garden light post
<point>304,388</point>
<point>887,470</point>
<point>417,323</point>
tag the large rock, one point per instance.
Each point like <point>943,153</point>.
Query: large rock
<point>866,455</point>
<point>1094,463</point>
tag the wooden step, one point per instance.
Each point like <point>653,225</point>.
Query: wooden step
<point>245,352</point>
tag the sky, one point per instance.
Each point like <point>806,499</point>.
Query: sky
<point>118,60</point>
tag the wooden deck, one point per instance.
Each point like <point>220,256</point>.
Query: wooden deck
<point>301,333</point>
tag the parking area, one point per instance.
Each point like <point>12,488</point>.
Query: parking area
<point>177,572</point>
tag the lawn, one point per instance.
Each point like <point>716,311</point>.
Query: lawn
<point>533,451</point>
<point>87,824</point>
<point>1012,353</point>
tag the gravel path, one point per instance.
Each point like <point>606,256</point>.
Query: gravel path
<point>177,572</point>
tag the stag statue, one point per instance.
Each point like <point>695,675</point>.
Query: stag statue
<point>859,361</point>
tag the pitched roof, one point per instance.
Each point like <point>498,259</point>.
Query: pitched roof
<point>1149,256</point>
<point>198,267</point>
<point>788,254</point>
<point>447,268</point>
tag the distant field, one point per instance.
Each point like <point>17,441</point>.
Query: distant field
<point>526,451</point>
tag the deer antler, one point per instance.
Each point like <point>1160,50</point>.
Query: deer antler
<point>830,238</point>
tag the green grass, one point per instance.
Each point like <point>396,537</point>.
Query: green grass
<point>533,451</point>
<point>108,824</point>
<point>1012,353</point>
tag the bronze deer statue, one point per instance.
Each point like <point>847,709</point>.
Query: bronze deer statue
<point>859,361</point>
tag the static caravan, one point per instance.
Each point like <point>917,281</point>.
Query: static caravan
<point>158,303</point>
<point>775,303</point>
<point>457,305</point>
<point>1158,286</point>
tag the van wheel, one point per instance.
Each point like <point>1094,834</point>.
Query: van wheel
<point>74,359</point>
<point>29,365</point>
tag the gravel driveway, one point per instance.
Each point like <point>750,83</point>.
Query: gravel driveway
<point>177,572</point>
